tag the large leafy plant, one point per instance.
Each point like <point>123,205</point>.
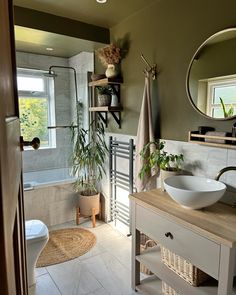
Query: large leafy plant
<point>158,158</point>
<point>88,158</point>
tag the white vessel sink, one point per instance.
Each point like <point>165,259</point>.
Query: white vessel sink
<point>193,192</point>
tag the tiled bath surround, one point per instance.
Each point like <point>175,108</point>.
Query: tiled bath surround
<point>198,160</point>
<point>53,204</point>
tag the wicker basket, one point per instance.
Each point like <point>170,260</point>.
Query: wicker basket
<point>148,244</point>
<point>190,273</point>
<point>167,290</point>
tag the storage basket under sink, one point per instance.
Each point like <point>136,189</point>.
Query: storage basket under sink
<point>167,290</point>
<point>186,270</point>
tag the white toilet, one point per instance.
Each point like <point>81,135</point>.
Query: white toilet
<point>36,238</point>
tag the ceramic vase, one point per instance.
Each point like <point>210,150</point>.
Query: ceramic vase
<point>114,101</point>
<point>111,71</point>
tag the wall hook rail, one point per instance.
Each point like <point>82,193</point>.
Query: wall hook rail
<point>152,68</point>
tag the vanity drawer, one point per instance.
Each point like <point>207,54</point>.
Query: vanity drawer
<point>200,251</point>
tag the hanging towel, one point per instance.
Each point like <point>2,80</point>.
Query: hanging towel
<point>144,135</point>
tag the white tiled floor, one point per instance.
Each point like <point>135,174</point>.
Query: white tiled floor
<point>104,270</point>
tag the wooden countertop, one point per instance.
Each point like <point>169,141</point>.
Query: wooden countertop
<point>217,222</point>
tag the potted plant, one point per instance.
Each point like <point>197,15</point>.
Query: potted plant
<point>88,158</point>
<point>169,164</point>
<point>104,96</point>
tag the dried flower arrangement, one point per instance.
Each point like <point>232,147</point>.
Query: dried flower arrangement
<point>109,55</point>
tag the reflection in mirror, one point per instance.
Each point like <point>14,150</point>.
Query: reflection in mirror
<point>211,78</point>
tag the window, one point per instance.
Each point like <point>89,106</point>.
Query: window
<point>36,106</point>
<point>224,88</point>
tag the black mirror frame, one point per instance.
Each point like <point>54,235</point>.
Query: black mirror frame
<point>188,74</point>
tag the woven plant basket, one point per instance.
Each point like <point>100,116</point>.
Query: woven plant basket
<point>187,271</point>
<point>103,100</point>
<point>167,290</point>
<point>148,244</point>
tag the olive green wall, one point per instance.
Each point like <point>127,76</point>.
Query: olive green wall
<point>168,32</point>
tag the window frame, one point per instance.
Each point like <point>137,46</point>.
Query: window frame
<point>47,93</point>
<point>213,83</point>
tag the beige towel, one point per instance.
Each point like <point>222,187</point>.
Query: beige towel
<point>144,135</point>
<point>215,133</point>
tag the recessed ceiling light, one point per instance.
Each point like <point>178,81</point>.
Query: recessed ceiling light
<point>101,1</point>
<point>49,49</point>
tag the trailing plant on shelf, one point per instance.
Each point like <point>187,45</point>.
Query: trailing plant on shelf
<point>103,90</point>
<point>88,158</point>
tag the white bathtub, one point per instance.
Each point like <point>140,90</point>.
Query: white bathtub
<point>36,179</point>
<point>49,196</point>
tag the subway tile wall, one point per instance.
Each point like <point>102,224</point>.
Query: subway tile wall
<point>198,160</point>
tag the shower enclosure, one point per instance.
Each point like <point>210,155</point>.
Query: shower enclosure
<point>49,193</point>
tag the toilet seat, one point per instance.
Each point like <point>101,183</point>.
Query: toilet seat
<point>35,230</point>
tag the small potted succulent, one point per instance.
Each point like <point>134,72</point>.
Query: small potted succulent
<point>169,164</point>
<point>104,96</point>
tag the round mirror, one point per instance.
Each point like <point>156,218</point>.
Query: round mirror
<point>211,77</point>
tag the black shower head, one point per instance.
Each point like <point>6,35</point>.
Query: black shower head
<point>50,73</point>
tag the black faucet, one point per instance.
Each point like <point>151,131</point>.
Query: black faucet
<point>222,171</point>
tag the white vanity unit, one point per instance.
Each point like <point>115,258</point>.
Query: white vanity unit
<point>206,238</point>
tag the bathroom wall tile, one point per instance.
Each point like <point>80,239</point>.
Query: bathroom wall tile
<point>52,204</point>
<point>83,63</point>
<point>61,211</point>
<point>231,175</point>
<point>45,285</point>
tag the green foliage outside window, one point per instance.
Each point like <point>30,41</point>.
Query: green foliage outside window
<point>34,118</point>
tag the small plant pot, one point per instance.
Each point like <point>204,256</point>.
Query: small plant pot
<point>103,100</point>
<point>88,203</point>
<point>167,173</point>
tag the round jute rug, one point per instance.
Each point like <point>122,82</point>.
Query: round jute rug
<point>66,244</point>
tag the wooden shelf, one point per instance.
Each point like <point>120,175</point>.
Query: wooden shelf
<point>115,112</point>
<point>106,109</point>
<point>103,111</point>
<point>151,258</point>
<point>106,81</point>
<point>150,286</point>
<point>195,137</point>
